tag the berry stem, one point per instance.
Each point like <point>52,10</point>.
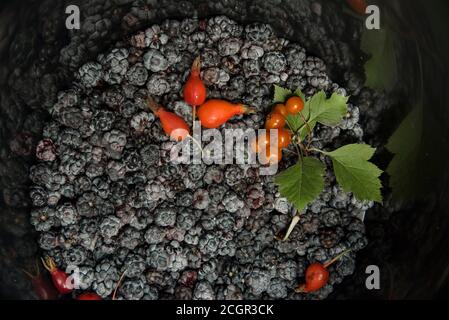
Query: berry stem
<point>153,105</point>
<point>308,128</point>
<point>298,151</point>
<point>118,285</point>
<point>331,262</point>
<point>293,224</point>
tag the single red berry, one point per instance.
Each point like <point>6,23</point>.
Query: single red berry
<point>89,296</point>
<point>281,109</point>
<point>60,278</point>
<point>194,90</point>
<point>294,105</point>
<point>173,125</point>
<point>274,121</point>
<point>214,112</point>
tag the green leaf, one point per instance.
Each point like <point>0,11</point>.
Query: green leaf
<point>301,183</point>
<point>281,94</point>
<point>406,144</point>
<point>381,69</point>
<point>319,109</point>
<point>355,173</point>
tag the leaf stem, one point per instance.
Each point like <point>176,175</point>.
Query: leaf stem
<point>298,151</point>
<point>292,226</point>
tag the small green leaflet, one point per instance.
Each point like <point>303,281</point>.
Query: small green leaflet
<point>281,94</point>
<point>355,173</point>
<point>381,69</point>
<point>301,183</point>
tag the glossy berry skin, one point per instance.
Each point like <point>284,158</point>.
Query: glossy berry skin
<point>59,277</point>
<point>214,113</point>
<point>294,105</point>
<point>317,277</point>
<point>172,124</point>
<point>274,121</point>
<point>284,138</point>
<point>194,90</point>
<point>281,109</point>
<point>89,296</point>
<point>359,6</point>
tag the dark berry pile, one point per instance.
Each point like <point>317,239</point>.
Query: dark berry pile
<point>107,198</point>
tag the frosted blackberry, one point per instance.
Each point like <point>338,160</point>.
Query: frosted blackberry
<point>258,32</point>
<point>331,218</point>
<point>45,150</point>
<point>201,199</point>
<point>115,65</point>
<point>74,256</point>
<point>113,97</point>
<point>48,241</point>
<point>229,47</point>
<point>189,25</point>
<point>208,244</point>
<point>213,175</point>
<point>151,293</point>
<point>39,196</point>
<point>210,58</point>
<point>100,186</point>
<point>43,219</point>
<point>90,74</point>
<point>278,289</point>
<point>226,221</point>
<point>183,293</point>
<point>357,240</point>
<point>203,291</point>
<point>150,154</point>
<point>209,271</point>
<point>116,170</point>
<point>114,141</point>
<point>155,38</point>
<point>106,278</point>
<point>186,220</point>
<point>103,120</point>
<point>130,238</point>
<point>109,227</point>
<point>157,85</point>
<point>154,235</point>
<point>232,202</point>
<point>165,217</point>
<point>86,277</point>
<point>137,75</point>
<point>253,52</point>
<point>155,61</point>
<point>94,170</point>
<point>67,214</point>
<point>274,62</point>
<point>141,121</point>
<point>132,289</point>
<point>258,281</point>
<point>158,258</point>
<point>251,68</point>
<point>215,76</point>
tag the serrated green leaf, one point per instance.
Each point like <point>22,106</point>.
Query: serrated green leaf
<point>381,68</point>
<point>301,183</point>
<point>299,93</point>
<point>355,173</point>
<point>281,94</point>
<point>319,109</point>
